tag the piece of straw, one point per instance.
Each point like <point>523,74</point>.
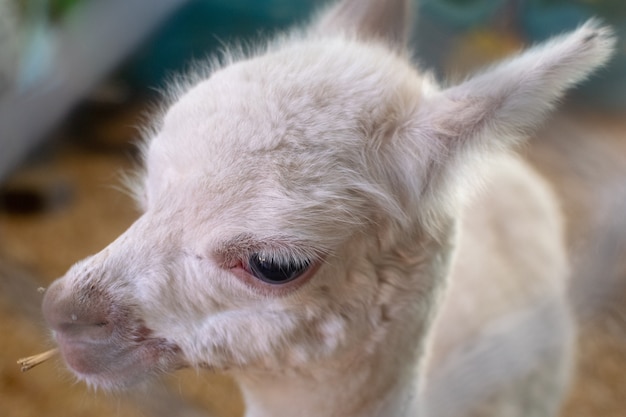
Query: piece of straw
<point>32,361</point>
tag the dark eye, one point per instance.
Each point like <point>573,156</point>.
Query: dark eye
<point>275,271</point>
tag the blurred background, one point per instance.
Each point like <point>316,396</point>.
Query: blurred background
<point>78,76</point>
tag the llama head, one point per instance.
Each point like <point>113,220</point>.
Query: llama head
<point>298,203</point>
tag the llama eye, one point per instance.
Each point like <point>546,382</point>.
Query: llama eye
<point>274,271</point>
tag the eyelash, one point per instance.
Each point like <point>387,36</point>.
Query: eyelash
<point>306,268</point>
<point>275,271</point>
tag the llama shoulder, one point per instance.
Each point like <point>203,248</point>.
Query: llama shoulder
<point>511,256</point>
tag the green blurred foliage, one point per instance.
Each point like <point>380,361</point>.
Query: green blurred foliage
<point>54,9</point>
<point>59,7</point>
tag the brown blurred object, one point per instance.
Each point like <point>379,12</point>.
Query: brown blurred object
<point>583,154</point>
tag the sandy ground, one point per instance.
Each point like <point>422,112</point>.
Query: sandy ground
<point>81,211</point>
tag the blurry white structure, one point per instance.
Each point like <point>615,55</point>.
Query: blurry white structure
<point>8,46</point>
<point>89,43</point>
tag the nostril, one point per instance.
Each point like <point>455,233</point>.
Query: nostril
<point>78,315</point>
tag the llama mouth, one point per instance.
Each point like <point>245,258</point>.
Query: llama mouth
<point>102,341</point>
<point>116,364</point>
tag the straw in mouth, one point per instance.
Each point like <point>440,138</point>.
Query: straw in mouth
<point>32,361</point>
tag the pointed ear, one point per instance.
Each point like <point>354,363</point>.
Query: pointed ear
<point>500,107</point>
<point>386,20</point>
<point>504,104</point>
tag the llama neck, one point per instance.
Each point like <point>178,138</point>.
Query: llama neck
<point>368,390</point>
<point>380,376</point>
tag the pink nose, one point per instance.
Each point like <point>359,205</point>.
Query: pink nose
<point>101,340</point>
<point>82,315</point>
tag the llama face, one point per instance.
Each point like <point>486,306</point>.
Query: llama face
<point>288,172</point>
<point>257,245</point>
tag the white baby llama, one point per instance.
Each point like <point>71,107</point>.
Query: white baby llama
<point>311,226</point>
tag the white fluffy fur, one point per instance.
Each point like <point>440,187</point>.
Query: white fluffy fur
<point>330,145</point>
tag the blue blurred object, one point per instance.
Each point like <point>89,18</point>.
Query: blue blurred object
<point>202,27</point>
<point>461,14</point>
<point>444,24</point>
<point>541,19</point>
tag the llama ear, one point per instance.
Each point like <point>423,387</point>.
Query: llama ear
<point>498,108</point>
<point>503,104</point>
<point>387,20</point>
